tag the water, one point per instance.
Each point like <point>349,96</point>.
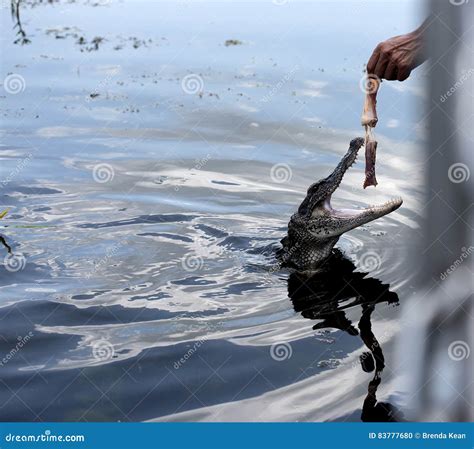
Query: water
<point>145,209</point>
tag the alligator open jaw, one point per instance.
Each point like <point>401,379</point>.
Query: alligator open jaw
<point>323,206</point>
<point>316,227</point>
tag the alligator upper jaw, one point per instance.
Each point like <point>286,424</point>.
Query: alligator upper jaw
<point>335,178</point>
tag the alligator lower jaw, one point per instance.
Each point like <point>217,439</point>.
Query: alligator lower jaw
<point>379,210</point>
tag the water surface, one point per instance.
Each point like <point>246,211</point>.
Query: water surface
<point>145,212</point>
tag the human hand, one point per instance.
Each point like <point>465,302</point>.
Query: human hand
<point>395,58</point>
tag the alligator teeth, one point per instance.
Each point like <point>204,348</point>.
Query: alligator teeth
<point>390,203</point>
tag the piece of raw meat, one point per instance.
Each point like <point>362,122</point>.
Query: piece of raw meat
<point>370,155</point>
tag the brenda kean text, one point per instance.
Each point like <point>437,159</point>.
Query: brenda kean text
<point>417,436</point>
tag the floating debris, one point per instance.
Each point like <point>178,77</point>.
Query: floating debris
<point>230,42</point>
<point>378,233</point>
<point>330,363</point>
<point>95,43</point>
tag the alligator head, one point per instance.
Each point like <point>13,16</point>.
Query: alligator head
<point>316,227</point>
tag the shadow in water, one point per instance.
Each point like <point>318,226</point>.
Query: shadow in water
<point>325,295</point>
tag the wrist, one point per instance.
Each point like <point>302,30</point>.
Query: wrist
<point>418,39</point>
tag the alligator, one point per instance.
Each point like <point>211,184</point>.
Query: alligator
<point>316,227</point>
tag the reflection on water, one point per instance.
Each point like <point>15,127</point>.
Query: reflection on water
<point>325,295</point>
<point>5,244</point>
<point>144,217</point>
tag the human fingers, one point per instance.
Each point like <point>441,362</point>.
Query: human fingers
<point>381,66</point>
<point>391,72</point>
<point>403,72</point>
<point>373,60</point>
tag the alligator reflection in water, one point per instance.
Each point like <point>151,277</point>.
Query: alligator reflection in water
<point>326,295</point>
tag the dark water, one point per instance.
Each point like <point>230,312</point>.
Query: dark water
<point>145,212</point>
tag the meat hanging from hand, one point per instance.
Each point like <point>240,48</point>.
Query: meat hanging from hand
<point>369,121</point>
<point>370,154</point>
